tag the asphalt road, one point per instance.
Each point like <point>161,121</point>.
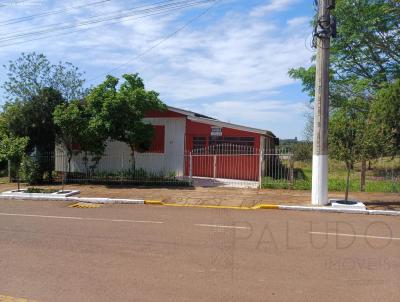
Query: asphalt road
<point>49,252</point>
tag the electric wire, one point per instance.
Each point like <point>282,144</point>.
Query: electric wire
<point>96,20</point>
<point>161,41</point>
<point>11,3</point>
<point>159,13</point>
<point>50,13</point>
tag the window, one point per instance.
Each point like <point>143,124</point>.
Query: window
<point>158,140</point>
<point>199,142</point>
<point>232,145</point>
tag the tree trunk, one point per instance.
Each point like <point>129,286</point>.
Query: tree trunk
<point>62,180</point>
<point>18,184</point>
<point>9,171</point>
<point>69,163</point>
<point>346,196</point>
<point>369,165</point>
<point>363,174</point>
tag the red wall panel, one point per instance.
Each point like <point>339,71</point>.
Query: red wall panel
<point>158,140</point>
<point>200,129</point>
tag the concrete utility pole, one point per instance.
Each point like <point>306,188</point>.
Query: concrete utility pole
<point>322,35</point>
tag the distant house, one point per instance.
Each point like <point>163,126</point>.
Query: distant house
<point>185,143</point>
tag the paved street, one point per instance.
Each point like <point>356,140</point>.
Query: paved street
<point>50,252</point>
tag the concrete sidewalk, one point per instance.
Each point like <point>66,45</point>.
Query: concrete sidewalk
<point>223,196</point>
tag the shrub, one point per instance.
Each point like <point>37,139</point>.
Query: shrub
<point>30,170</point>
<point>302,151</point>
<point>40,190</point>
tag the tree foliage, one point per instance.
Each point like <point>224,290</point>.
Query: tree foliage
<point>32,72</point>
<point>78,131</point>
<point>12,147</point>
<point>368,44</point>
<point>349,135</point>
<point>366,53</point>
<point>119,111</point>
<point>385,117</point>
<point>33,118</point>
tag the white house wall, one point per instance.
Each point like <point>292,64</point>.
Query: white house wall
<point>118,155</point>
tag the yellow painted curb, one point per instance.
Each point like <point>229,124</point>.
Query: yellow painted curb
<point>154,202</point>
<point>12,299</point>
<point>266,206</point>
<point>206,206</point>
<point>84,205</point>
<point>256,207</point>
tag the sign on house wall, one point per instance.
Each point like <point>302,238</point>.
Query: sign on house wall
<point>216,131</point>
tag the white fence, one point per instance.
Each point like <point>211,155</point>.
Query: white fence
<point>222,165</point>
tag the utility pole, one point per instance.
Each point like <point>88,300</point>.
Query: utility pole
<point>323,32</point>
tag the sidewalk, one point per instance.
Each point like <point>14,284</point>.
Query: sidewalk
<point>222,196</point>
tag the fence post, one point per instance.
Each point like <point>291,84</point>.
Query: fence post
<point>214,166</point>
<point>62,164</point>
<point>122,168</point>
<point>190,166</point>
<point>291,175</point>
<point>260,168</point>
<point>9,171</point>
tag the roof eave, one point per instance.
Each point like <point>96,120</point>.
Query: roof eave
<point>229,125</point>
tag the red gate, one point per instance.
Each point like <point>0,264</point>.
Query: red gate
<point>224,161</point>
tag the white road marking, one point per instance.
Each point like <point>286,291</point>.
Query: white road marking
<point>81,218</point>
<point>355,235</point>
<point>222,226</point>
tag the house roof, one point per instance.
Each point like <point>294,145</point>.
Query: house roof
<point>201,118</point>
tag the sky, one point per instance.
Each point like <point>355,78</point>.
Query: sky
<point>228,59</point>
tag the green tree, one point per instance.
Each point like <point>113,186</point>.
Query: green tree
<point>347,135</point>
<point>32,72</point>
<point>33,118</point>
<point>364,57</point>
<point>367,48</point>
<point>79,132</point>
<point>366,53</point>
<point>12,148</point>
<point>119,111</point>
<point>385,116</point>
<point>302,151</point>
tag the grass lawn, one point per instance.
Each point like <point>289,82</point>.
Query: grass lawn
<point>383,177</point>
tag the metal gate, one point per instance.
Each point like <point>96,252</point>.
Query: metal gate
<point>238,162</point>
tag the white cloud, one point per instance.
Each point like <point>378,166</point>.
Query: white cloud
<point>299,21</point>
<point>232,56</point>
<point>272,6</point>
<point>270,115</point>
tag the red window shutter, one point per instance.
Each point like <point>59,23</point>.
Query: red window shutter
<point>158,140</point>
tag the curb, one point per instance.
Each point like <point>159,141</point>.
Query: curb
<point>76,199</point>
<point>280,207</point>
<point>336,210</point>
<point>159,202</point>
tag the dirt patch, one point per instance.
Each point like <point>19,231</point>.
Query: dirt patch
<point>222,196</point>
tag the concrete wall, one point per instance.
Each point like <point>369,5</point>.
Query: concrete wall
<point>118,155</point>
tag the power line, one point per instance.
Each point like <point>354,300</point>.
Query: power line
<point>49,13</point>
<point>147,9</point>
<point>10,3</point>
<point>158,43</point>
<point>158,13</point>
<point>88,21</point>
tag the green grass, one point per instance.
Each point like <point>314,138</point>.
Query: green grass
<point>40,190</point>
<point>4,180</point>
<point>382,178</point>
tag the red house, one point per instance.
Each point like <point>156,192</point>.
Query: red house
<point>190,144</point>
<point>210,147</point>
